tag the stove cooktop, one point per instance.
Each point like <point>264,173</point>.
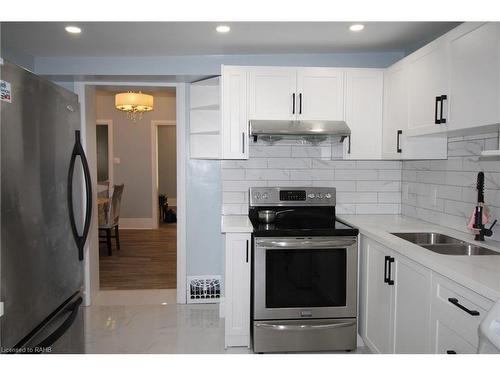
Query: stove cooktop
<point>299,228</point>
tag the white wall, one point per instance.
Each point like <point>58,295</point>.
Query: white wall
<point>132,145</point>
<point>444,191</point>
<point>363,187</point>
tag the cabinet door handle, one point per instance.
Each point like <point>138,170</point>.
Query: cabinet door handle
<point>436,120</point>
<point>293,103</point>
<point>243,142</point>
<point>247,252</point>
<point>348,144</point>
<point>451,352</point>
<point>389,280</point>
<point>398,145</point>
<point>441,119</point>
<point>386,260</point>
<point>300,103</point>
<point>455,302</point>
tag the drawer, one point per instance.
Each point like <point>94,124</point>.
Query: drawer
<point>448,340</point>
<point>304,335</point>
<point>459,308</point>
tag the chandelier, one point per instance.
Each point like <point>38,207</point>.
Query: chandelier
<point>134,103</point>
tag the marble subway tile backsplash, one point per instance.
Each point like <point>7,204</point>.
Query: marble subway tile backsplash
<point>444,191</point>
<point>363,187</point>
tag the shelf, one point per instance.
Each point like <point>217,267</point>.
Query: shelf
<point>204,121</point>
<point>205,146</point>
<point>205,97</point>
<point>208,107</point>
<point>490,153</point>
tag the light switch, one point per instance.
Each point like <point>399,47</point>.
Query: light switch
<point>116,160</point>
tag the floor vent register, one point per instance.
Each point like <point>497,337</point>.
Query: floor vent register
<point>204,289</point>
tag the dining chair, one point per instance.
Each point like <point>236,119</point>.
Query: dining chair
<point>110,220</point>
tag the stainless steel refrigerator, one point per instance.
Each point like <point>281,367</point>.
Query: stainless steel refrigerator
<point>45,215</point>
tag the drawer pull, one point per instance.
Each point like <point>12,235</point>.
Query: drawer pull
<point>455,302</point>
<point>451,352</point>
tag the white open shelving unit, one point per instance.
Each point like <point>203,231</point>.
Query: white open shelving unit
<point>205,119</point>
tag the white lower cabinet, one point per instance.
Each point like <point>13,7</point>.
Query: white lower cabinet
<point>396,310</point>
<point>412,288</point>
<point>237,289</point>
<point>455,316</point>
<point>408,308</point>
<point>376,311</point>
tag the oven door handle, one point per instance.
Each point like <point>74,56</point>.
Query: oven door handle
<point>302,327</point>
<point>269,244</point>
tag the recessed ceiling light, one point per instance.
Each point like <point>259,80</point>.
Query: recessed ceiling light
<point>222,29</point>
<point>356,27</point>
<point>73,29</point>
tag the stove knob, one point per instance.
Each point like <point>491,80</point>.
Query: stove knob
<point>321,196</point>
<point>257,196</point>
<point>311,196</point>
<point>264,196</point>
<point>328,195</point>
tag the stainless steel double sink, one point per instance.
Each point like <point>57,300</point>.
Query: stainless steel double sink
<point>443,244</point>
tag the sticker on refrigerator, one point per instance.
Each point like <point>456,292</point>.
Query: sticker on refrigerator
<point>5,92</point>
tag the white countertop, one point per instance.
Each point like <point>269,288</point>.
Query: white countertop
<point>236,224</point>
<point>480,273</point>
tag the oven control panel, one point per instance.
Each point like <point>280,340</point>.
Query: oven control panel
<point>283,196</point>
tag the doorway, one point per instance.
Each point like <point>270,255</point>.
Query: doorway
<point>141,254</point>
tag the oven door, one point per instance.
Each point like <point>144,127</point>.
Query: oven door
<point>304,278</point>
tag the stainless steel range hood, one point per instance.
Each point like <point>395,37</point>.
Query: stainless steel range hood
<point>298,128</point>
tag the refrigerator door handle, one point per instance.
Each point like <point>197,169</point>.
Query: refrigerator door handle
<point>78,151</point>
<point>61,330</point>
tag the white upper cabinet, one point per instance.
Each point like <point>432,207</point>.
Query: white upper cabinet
<point>282,93</point>
<point>395,110</point>
<point>272,93</point>
<point>396,143</point>
<point>474,75</point>
<point>364,95</point>
<point>320,94</point>
<point>235,137</point>
<point>428,87</point>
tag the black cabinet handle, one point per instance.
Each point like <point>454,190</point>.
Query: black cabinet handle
<point>243,142</point>
<point>389,280</point>
<point>451,352</point>
<point>300,103</point>
<point>293,103</point>
<point>441,119</point>
<point>455,302</point>
<point>348,144</point>
<point>436,120</point>
<point>386,261</point>
<point>78,151</point>
<point>247,252</point>
<point>398,145</point>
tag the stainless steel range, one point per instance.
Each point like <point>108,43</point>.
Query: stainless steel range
<point>304,272</point>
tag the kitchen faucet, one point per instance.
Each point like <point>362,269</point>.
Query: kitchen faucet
<point>478,215</point>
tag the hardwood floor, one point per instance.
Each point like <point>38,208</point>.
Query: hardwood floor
<point>147,260</point>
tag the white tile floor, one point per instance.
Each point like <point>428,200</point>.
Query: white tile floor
<point>137,322</point>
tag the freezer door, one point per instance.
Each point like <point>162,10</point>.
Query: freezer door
<point>61,333</point>
<point>40,268</point>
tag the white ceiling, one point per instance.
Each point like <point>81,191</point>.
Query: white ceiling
<point>200,38</point>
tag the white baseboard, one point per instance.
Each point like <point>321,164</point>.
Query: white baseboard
<point>137,223</point>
